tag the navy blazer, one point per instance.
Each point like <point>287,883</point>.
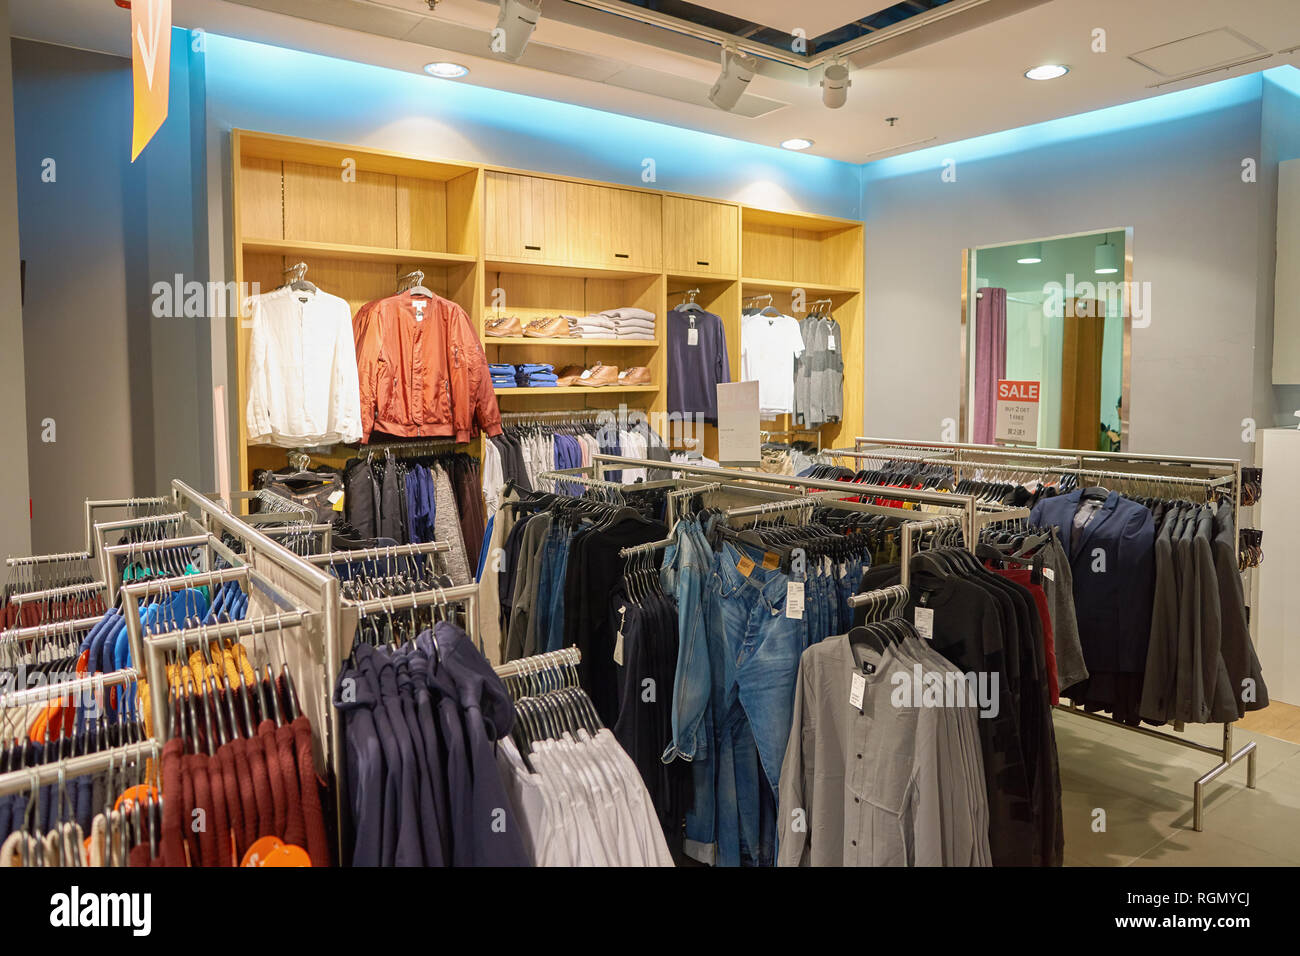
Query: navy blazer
<point>1114,577</point>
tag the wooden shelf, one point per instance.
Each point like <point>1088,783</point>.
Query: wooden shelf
<point>698,277</point>
<point>780,285</point>
<point>561,390</point>
<point>339,250</point>
<point>572,342</point>
<point>535,267</point>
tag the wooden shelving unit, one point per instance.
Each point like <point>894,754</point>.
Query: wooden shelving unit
<point>561,391</point>
<point>572,342</point>
<point>509,242</point>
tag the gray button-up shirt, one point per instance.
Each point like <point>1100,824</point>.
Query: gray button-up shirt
<point>886,783</point>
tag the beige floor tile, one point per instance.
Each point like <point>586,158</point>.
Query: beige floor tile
<point>1209,848</point>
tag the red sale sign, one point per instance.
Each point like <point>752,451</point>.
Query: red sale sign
<point>1017,412</point>
<point>1009,391</point>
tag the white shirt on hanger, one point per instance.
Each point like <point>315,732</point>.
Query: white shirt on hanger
<point>302,371</point>
<point>769,345</point>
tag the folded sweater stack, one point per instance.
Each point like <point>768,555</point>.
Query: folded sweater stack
<point>629,323</point>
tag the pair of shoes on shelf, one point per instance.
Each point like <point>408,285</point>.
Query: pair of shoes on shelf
<point>507,326</point>
<point>555,327</point>
<point>600,375</point>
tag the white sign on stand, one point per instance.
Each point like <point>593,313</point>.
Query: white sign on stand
<point>1017,419</point>
<point>738,442</point>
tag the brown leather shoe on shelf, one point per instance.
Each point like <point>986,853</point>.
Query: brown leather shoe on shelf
<point>637,375</point>
<point>505,327</point>
<point>569,375</point>
<point>550,328</point>
<point>600,375</point>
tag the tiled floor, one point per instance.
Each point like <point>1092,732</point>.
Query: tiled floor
<point>1127,799</point>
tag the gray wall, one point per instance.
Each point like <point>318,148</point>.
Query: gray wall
<point>1178,183</point>
<point>1280,141</point>
<point>123,387</point>
<point>15,527</point>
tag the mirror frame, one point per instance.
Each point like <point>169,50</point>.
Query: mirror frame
<point>1126,377</point>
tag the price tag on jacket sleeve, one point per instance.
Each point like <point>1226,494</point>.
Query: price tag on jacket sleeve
<point>1049,574</point>
<point>794,600</point>
<point>925,622</point>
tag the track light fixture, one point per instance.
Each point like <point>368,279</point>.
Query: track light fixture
<point>835,84</point>
<point>515,24</point>
<point>737,71</point>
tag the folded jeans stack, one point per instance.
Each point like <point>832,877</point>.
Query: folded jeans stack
<point>535,376</point>
<point>503,376</point>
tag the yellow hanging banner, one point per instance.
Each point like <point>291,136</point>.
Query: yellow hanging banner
<point>151,57</point>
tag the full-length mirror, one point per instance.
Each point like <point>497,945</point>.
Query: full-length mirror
<point>1046,341</point>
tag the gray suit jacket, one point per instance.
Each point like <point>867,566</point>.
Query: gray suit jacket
<point>1162,650</point>
<point>1235,647</point>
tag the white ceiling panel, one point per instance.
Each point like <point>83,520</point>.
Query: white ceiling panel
<point>814,18</point>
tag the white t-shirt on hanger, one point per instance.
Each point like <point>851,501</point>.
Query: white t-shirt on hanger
<point>769,345</point>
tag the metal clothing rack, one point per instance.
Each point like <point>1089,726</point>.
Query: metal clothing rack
<point>67,688</point>
<point>412,449</point>
<point>964,453</point>
<point>896,595</point>
<point>52,629</point>
<point>93,505</point>
<point>549,660</point>
<point>391,552</point>
<point>30,778</point>
<point>1230,475</point>
<point>969,509</point>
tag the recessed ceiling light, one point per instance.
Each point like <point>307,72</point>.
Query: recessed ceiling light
<point>446,71</point>
<point>797,143</point>
<point>1048,71</point>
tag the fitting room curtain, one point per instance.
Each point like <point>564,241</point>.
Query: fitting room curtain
<point>990,359</point>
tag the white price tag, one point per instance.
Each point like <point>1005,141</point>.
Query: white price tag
<point>794,600</point>
<point>1049,574</point>
<point>856,688</point>
<point>830,342</point>
<point>692,336</point>
<point>618,643</point>
<point>924,621</point>
<point>334,498</point>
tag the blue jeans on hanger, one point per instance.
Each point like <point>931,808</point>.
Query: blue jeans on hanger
<point>687,563</point>
<point>761,664</point>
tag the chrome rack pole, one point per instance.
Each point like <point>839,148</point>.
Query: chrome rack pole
<point>54,628</point>
<point>869,599</point>
<point>21,781</point>
<point>967,503</point>
<point>67,688</point>
<point>101,504</point>
<point>466,594</point>
<point>564,657</point>
<point>396,551</point>
<point>910,530</point>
